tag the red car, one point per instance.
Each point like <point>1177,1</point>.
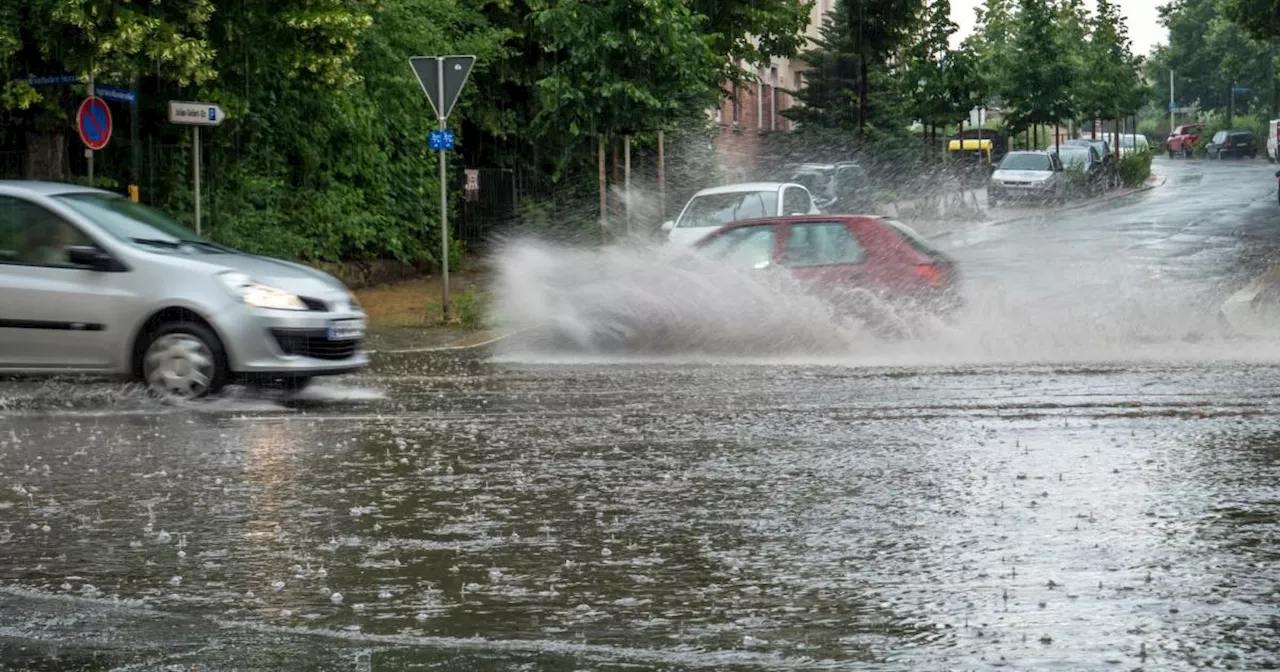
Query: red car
<point>831,254</point>
<point>1183,140</point>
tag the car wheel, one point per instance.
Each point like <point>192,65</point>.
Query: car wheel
<point>1170,150</point>
<point>183,360</point>
<point>1186,153</point>
<point>992,202</point>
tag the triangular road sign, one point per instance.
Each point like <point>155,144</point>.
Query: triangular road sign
<point>442,78</point>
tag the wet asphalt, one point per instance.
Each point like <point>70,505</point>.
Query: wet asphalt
<point>1114,506</point>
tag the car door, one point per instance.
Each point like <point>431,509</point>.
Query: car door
<point>826,256</point>
<point>796,200</point>
<point>53,314</point>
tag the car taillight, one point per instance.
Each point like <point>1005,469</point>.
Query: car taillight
<point>931,274</point>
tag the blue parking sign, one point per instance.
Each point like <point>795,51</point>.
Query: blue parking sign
<point>440,140</point>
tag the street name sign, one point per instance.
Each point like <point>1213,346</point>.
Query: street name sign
<point>195,114</point>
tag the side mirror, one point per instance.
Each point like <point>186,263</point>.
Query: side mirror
<point>1278,173</point>
<point>668,225</point>
<point>88,255</point>
<point>761,265</point>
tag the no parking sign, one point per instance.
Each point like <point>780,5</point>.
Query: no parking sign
<point>93,121</point>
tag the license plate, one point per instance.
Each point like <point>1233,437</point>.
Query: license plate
<point>346,330</point>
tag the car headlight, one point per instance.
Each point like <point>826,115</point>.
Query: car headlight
<point>258,295</point>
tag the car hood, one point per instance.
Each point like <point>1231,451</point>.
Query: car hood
<point>1022,175</point>
<point>286,275</point>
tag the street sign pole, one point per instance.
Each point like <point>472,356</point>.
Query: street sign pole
<point>195,171</point>
<point>88,153</point>
<point>442,79</point>
<point>441,116</point>
<point>195,115</point>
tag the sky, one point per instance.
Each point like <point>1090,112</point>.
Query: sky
<point>1140,18</point>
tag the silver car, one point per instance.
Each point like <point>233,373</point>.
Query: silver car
<point>92,283</point>
<point>1027,176</point>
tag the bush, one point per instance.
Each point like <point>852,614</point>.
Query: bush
<point>1077,180</point>
<point>471,308</point>
<point>1135,168</point>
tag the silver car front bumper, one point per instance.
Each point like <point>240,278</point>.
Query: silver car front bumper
<point>292,343</point>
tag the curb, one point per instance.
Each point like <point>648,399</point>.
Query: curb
<point>1150,184</point>
<point>445,348</point>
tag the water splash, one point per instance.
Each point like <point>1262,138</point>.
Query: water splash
<point>639,299</point>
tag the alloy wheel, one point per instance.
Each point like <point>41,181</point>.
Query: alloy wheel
<point>179,366</point>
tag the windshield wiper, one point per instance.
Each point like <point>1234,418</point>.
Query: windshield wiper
<point>169,244</point>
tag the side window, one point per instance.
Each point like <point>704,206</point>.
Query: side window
<point>30,234</point>
<point>795,201</point>
<point>822,245</point>
<point>743,247</point>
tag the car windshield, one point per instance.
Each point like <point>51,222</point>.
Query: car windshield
<point>720,209</point>
<point>135,223</point>
<point>816,182</point>
<point>1026,162</point>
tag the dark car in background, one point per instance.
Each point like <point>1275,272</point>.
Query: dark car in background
<point>1086,159</point>
<point>1237,143</point>
<point>841,187</point>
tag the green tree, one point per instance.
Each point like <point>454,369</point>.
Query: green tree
<point>1039,81</point>
<point>752,31</point>
<point>849,82</point>
<point>991,46</point>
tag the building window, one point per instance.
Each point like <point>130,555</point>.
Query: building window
<point>773,76</point>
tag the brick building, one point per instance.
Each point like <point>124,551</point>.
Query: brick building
<point>754,110</point>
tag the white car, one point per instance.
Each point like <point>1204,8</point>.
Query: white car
<point>1132,142</point>
<point>712,208</point>
<point>1027,176</point>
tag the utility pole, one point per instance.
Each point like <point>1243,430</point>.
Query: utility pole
<point>1171,99</point>
<point>1231,106</point>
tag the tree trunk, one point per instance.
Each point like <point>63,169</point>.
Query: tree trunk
<point>604,203</point>
<point>46,157</point>
<point>863,92</point>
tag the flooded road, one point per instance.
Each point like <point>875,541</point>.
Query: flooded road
<point>498,511</point>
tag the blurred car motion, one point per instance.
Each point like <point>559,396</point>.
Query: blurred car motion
<point>832,254</point>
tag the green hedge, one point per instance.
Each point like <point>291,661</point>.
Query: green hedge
<point>1135,168</point>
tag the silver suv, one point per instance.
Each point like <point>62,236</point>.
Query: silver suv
<point>92,283</point>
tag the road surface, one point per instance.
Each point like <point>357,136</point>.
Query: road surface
<point>1083,474</point>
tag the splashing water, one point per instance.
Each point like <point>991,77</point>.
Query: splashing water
<point>644,299</point>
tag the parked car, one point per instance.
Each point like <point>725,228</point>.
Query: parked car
<point>842,187</point>
<point>1089,161</point>
<point>1182,141</point>
<point>1027,175</point>
<point>1110,167</point>
<point>712,208</point>
<point>93,283</point>
<point>830,255</point>
<point>1133,142</point>
<point>1232,143</point>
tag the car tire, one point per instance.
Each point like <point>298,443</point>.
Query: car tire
<point>1186,152</point>
<point>992,202</point>
<point>181,361</point>
<point>1170,150</point>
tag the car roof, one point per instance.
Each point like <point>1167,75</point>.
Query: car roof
<point>1028,151</point>
<point>48,188</point>
<point>743,187</point>
<point>797,219</point>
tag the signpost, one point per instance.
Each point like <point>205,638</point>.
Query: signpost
<point>93,122</point>
<point>195,115</point>
<point>442,78</point>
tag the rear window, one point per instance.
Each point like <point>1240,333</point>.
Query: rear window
<point>915,240</point>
